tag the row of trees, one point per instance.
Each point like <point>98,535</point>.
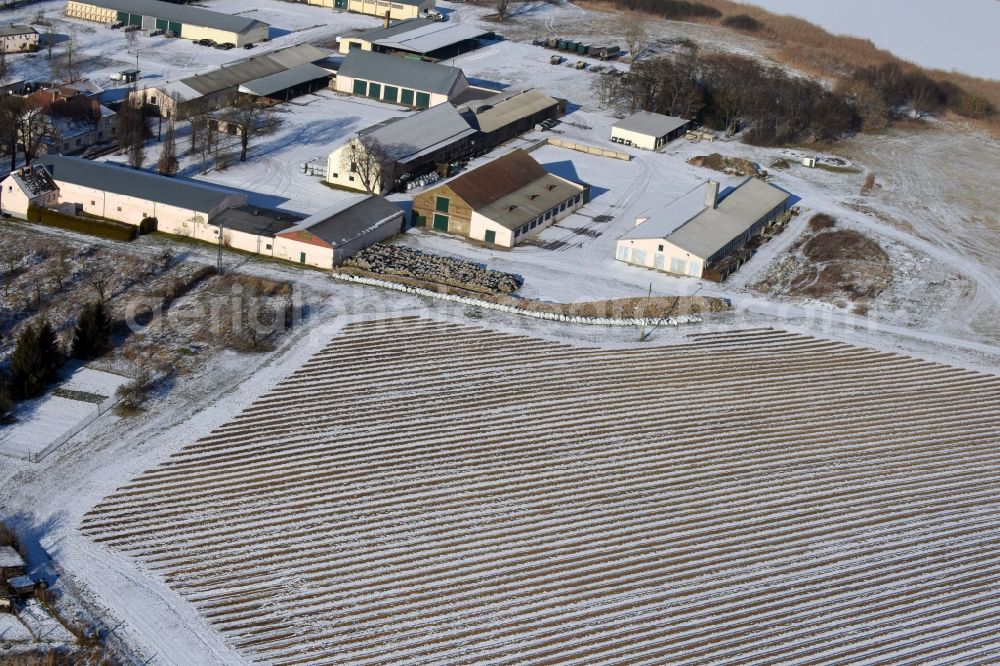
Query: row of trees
<point>37,356</point>
<point>730,93</point>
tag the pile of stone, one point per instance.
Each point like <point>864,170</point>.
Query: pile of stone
<point>416,265</point>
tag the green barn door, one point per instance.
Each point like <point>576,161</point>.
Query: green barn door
<point>491,236</point>
<point>441,222</point>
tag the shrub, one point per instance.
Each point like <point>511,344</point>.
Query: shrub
<point>147,225</point>
<point>742,22</point>
<point>35,362</point>
<point>821,222</point>
<point>91,226</point>
<point>134,394</point>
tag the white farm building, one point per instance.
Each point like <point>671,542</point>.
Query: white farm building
<point>648,130</point>
<point>398,80</point>
<point>695,233</point>
<point>182,21</point>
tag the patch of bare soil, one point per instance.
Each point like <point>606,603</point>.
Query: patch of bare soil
<point>737,166</point>
<point>831,264</point>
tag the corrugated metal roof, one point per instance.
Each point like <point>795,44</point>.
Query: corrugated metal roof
<point>181,14</point>
<point>708,230</point>
<point>651,124</point>
<point>403,72</point>
<point>412,136</point>
<point>347,220</point>
<point>494,180</point>
<point>248,69</point>
<point>509,107</point>
<point>427,38</point>
<point>397,28</point>
<point>269,85</point>
<point>110,177</point>
<point>525,204</point>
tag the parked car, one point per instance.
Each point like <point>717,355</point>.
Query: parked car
<point>225,46</point>
<point>249,46</point>
<point>435,16</point>
<point>205,42</point>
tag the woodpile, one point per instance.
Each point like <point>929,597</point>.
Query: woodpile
<point>405,262</point>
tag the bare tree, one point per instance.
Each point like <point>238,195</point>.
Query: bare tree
<point>100,279</point>
<point>167,165</point>
<point>635,36</point>
<point>67,64</point>
<point>369,160</point>
<point>33,128</point>
<point>132,132</point>
<point>503,9</point>
<point>252,117</point>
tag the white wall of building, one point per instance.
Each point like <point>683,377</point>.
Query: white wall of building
<point>628,137</point>
<point>658,254</point>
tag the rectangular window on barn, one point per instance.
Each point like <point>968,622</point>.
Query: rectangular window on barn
<point>441,204</point>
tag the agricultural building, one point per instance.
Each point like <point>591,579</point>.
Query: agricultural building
<point>180,20</point>
<point>511,113</point>
<point>11,563</point>
<point>397,80</point>
<point>282,73</point>
<point>18,38</point>
<point>115,192</point>
<point>331,235</point>
<point>27,186</point>
<point>432,40</point>
<point>648,130</point>
<point>251,228</point>
<point>412,144</point>
<point>702,228</point>
<point>500,203</point>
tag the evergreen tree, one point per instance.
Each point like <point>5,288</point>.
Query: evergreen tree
<point>6,401</point>
<point>35,361</point>
<point>92,336</point>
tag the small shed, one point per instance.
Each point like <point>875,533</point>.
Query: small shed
<point>11,563</point>
<point>648,130</point>
<point>21,585</point>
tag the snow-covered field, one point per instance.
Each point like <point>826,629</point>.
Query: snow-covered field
<point>45,421</point>
<point>421,492</point>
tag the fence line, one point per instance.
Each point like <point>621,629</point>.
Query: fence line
<point>585,148</point>
<point>99,411</point>
<point>551,316</point>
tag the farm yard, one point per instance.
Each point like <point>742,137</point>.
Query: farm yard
<point>488,497</point>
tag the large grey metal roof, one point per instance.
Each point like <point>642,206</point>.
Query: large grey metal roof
<point>651,124</point>
<point>268,85</point>
<point>181,14</point>
<point>429,37</point>
<point>403,72</point>
<point>705,231</point>
<point>349,219</point>
<point>409,137</point>
<point>509,107</point>
<point>397,28</point>
<point>255,67</point>
<point>119,179</point>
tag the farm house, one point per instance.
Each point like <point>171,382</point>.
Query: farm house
<point>398,80</point>
<point>500,203</point>
<point>115,192</point>
<point>181,20</point>
<point>413,144</point>
<point>18,38</point>
<point>327,238</point>
<point>27,186</point>
<point>432,40</point>
<point>648,130</point>
<point>283,72</point>
<point>695,233</point>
